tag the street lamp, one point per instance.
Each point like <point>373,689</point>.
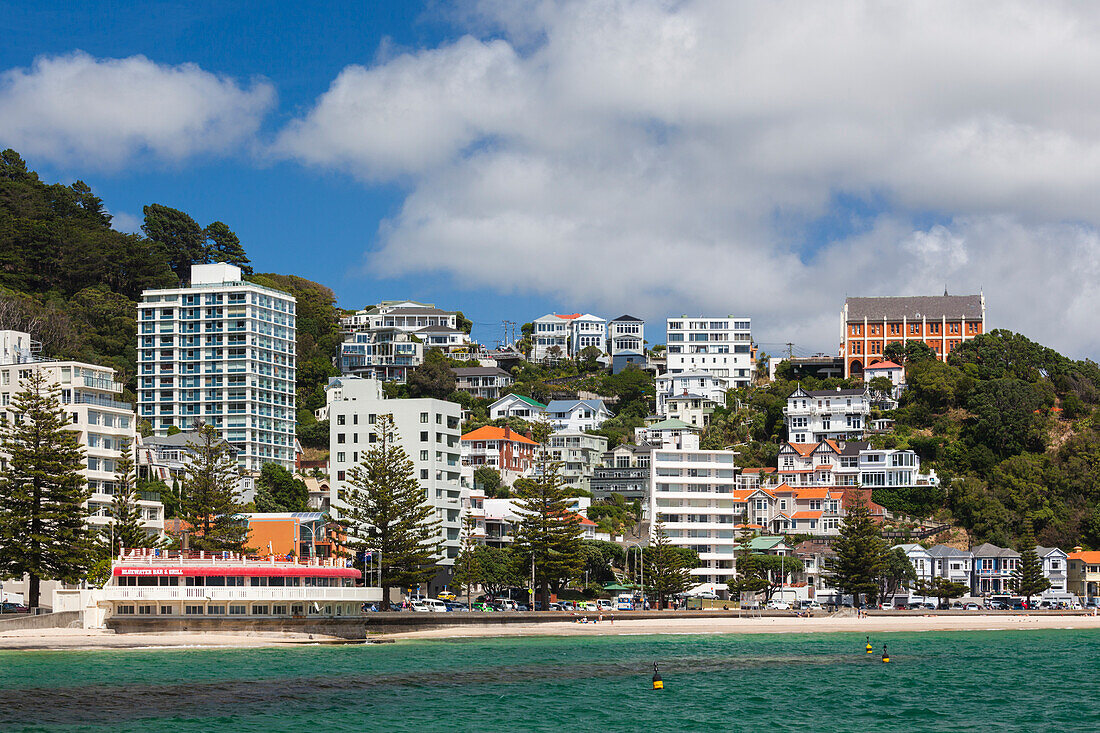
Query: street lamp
<point>641,568</point>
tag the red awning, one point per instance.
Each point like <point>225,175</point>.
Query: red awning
<point>252,571</point>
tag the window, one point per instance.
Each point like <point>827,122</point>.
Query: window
<point>165,610</point>
<point>424,436</point>
<point>259,610</point>
<point>340,457</point>
<point>193,610</point>
<point>340,438</point>
<point>340,419</point>
<point>238,610</point>
<point>423,417</point>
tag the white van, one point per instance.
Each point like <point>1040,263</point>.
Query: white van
<point>624,602</point>
<point>429,605</point>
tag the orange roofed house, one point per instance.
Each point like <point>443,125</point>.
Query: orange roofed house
<point>1084,573</point>
<point>509,453</point>
<point>941,321</point>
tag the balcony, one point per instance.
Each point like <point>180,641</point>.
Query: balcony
<point>108,385</point>
<point>88,399</point>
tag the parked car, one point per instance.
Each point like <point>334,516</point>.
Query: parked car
<point>456,606</point>
<point>9,607</point>
<point>446,596</point>
<point>808,605</point>
<point>555,606</point>
<point>707,594</point>
<point>899,606</point>
<point>997,606</point>
<point>521,606</point>
<point>568,605</point>
<point>972,607</point>
<point>604,604</point>
<point>777,605</point>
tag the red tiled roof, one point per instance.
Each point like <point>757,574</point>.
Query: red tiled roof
<point>812,493</point>
<point>488,432</point>
<point>807,515</point>
<point>803,449</point>
<point>1092,557</point>
<point>882,365</point>
<point>758,470</point>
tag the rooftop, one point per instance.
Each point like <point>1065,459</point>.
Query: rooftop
<point>488,432</point>
<point>915,307</point>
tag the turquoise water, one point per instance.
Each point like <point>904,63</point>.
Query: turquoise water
<point>972,681</point>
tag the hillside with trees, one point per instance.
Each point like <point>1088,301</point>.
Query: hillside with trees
<point>73,282</point>
<point>1010,426</point>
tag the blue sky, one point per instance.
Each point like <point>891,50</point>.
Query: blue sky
<point>510,158</point>
<point>285,214</point>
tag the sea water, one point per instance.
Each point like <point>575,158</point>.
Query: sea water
<point>949,681</point>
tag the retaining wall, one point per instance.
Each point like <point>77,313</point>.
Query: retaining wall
<point>62,620</point>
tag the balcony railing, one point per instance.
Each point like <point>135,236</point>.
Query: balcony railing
<point>248,593</point>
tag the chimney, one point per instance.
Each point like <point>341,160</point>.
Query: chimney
<point>507,433</point>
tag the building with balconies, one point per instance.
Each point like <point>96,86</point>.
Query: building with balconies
<point>993,568</point>
<point>812,416</point>
<point>578,454</point>
<point>487,383</point>
<point>387,340</point>
<point>221,351</point>
<point>722,347</point>
<point>693,492</point>
<point>953,564</point>
<point>105,426</point>
<point>624,471</point>
<point>428,430</point>
<point>507,452</point>
<point>625,334</point>
<point>704,384</point>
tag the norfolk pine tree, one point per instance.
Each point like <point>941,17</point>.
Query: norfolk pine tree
<point>549,532</point>
<point>861,553</point>
<point>386,513</point>
<point>667,573</point>
<point>1028,579</point>
<point>208,495</point>
<point>126,528</point>
<point>467,572</point>
<point>43,533</point>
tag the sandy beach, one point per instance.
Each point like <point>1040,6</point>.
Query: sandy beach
<point>75,639</point>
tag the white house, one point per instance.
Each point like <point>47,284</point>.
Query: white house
<point>923,564</point>
<point>625,333</point>
<point>577,415</point>
<point>668,432</point>
<point>515,405</point>
<point>552,336</point>
<point>694,409</point>
<point>888,369</point>
<point>814,416</point>
<point>704,384</point>
<point>1055,566</point>
<point>951,563</point>
<point>587,330</point>
<point>719,346</point>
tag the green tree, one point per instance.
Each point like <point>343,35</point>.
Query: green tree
<point>497,568</point>
<point>180,236</point>
<point>1005,416</point>
<point>668,575</point>
<point>860,553</point>
<point>127,529</point>
<point>881,385</point>
<point>1027,578</point>
<point>773,570</point>
<point>908,352</point>
<point>222,245</point>
<point>278,490</point>
<point>942,589</point>
<point>433,378</point>
<point>208,495</point>
<point>747,579</point>
<point>43,533</point>
<point>467,570</point>
<point>488,480</point>
<point>387,514</point>
<point>549,532</point>
<point>897,573</point>
<point>464,324</point>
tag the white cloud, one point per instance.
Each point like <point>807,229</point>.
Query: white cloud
<point>126,223</point>
<point>662,157</point>
<point>76,109</point>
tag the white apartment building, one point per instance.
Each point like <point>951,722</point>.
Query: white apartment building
<point>387,340</point>
<point>721,347</point>
<point>693,409</point>
<point>221,351</point>
<point>692,490</point>
<point>625,333</point>
<point>699,383</point>
<point>814,416</point>
<point>105,426</point>
<point>429,432</point>
<point>579,454</point>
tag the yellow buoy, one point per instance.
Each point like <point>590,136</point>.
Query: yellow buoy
<point>658,684</point>
<point>869,645</point>
<point>885,655</point>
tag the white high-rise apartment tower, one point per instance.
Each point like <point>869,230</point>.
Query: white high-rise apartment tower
<point>221,351</point>
<point>721,347</point>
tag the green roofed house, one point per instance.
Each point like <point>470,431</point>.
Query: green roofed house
<point>770,545</point>
<point>665,432</point>
<point>515,405</point>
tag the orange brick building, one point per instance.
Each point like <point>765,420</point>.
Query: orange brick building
<point>941,321</point>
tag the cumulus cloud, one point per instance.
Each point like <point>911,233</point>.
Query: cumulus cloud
<point>103,112</point>
<point>664,157</point>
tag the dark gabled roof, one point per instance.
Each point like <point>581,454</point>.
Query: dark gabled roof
<point>479,372</point>
<point>989,550</point>
<point>853,447</point>
<point>915,307</point>
<point>189,439</point>
<point>627,318</point>
<point>944,551</point>
<point>438,329</point>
